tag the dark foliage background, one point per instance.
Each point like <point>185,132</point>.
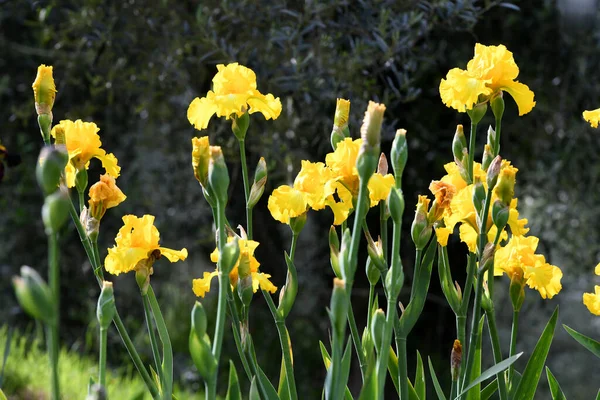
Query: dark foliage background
<point>133,67</point>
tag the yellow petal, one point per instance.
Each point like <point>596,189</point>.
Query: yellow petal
<point>597,269</point>
<point>264,282</point>
<point>110,164</point>
<point>201,286</point>
<point>461,90</point>
<point>174,255</point>
<point>593,117</point>
<point>544,278</point>
<point>286,202</point>
<point>592,301</point>
<point>201,110</point>
<point>267,105</point>
<point>442,235</point>
<point>522,95</point>
<point>380,187</point>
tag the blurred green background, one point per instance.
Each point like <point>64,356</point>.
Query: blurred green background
<point>133,67</point>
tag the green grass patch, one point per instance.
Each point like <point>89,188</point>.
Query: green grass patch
<point>27,373</point>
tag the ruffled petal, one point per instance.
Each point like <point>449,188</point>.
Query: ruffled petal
<point>201,286</point>
<point>262,280</point>
<point>110,164</point>
<point>593,117</point>
<point>174,255</point>
<point>268,105</point>
<point>461,90</point>
<point>592,301</point>
<point>522,95</point>
<point>201,110</point>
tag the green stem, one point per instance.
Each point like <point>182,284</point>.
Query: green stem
<point>102,358</point>
<point>392,297</point>
<point>83,237</point>
<point>471,271</point>
<point>453,388</point>
<point>151,333</point>
<point>81,200</point>
<point>383,231</point>
<point>53,337</point>
<point>461,327</point>
<point>221,305</point>
<point>402,367</point>
<point>167,362</point>
<point>371,299</point>
<point>498,127</point>
<point>491,319</point>
<point>474,331</point>
<point>242,143</point>
<point>418,255</point>
<point>513,343</point>
<point>472,142</point>
<point>235,326</point>
<point>285,345</point>
<point>293,246</point>
<point>360,352</point>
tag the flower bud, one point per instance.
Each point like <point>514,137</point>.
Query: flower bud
<point>142,277</point>
<point>479,195</point>
<point>421,229</point>
<point>486,299</point>
<point>297,223</point>
<point>334,251</point>
<point>200,159</point>
<point>50,166</point>
<point>339,306</point>
<point>367,342</point>
<point>377,328</point>
<point>244,287</point>
<point>455,360</point>
<point>105,310</point>
<point>199,322</point>
<point>493,171</point>
<point>346,267</point>
<point>288,293</point>
<point>459,142</point>
<point>477,112</point>
<point>373,273</point>
<point>382,166</point>
<point>393,287</point>
<point>44,90</point>
<point>375,250</point>
<point>517,289</point>
<point>55,211</point>
<point>487,258</point>
<point>370,131</point>
<point>104,194</point>
<point>81,180</point>
<point>218,176</point>
<point>34,295</point>
<point>487,157</point>
<point>239,125</point>
<point>230,256</point>
<point>45,122</point>
<point>340,122</point>
<point>461,164</point>
<point>202,356</point>
<point>500,214</point>
<point>399,155</point>
<point>505,188</point>
<point>497,104</point>
<point>395,203</point>
<point>491,138</point>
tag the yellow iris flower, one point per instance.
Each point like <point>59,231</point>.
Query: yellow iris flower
<point>44,89</point>
<point>247,247</point>
<point>342,163</point>
<point>137,241</point>
<point>286,202</point>
<point>83,144</point>
<point>491,71</point>
<point>234,92</point>
<point>592,301</point>
<point>104,194</point>
<point>518,258</point>
<point>593,117</point>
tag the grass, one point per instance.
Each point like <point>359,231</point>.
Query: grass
<point>26,374</point>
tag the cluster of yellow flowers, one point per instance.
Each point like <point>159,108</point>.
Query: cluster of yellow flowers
<point>234,93</point>
<point>332,184</point>
<point>491,71</point>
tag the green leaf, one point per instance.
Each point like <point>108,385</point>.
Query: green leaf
<point>327,360</point>
<point>493,371</point>
<point>476,370</point>
<point>436,383</point>
<point>489,390</point>
<point>420,378</point>
<point>233,391</point>
<point>393,368</point>
<point>283,389</point>
<point>254,390</point>
<point>266,384</point>
<point>412,394</point>
<point>512,386</point>
<point>2,396</point>
<point>557,393</point>
<point>585,341</point>
<point>369,389</point>
<point>533,370</point>
<point>346,361</point>
<point>598,395</point>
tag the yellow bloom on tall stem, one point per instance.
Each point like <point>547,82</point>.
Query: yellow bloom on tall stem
<point>201,286</point>
<point>518,258</point>
<point>286,202</point>
<point>104,194</point>
<point>379,187</point>
<point>593,117</point>
<point>342,163</point>
<point>44,90</point>
<point>137,243</point>
<point>83,144</point>
<point>491,71</point>
<point>314,181</point>
<point>234,92</point>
